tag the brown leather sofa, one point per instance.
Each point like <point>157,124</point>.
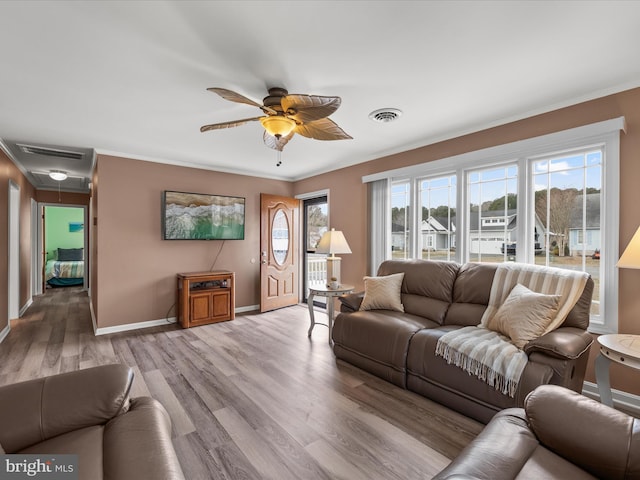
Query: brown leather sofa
<point>559,434</point>
<point>438,297</point>
<point>89,413</point>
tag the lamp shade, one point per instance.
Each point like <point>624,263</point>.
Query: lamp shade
<point>332,242</point>
<point>631,256</point>
<point>278,125</point>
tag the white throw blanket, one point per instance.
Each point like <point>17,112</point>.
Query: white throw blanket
<point>569,284</point>
<point>485,354</point>
<point>492,357</point>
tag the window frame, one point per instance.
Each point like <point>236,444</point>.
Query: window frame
<point>523,153</point>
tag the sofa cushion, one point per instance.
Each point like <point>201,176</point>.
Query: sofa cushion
<point>524,315</point>
<point>383,293</point>
<point>379,338</point>
<point>470,294</point>
<point>427,286</point>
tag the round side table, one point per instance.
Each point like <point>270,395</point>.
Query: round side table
<point>618,348</point>
<point>330,293</point>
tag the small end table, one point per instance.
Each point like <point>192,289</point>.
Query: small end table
<point>618,348</point>
<point>330,293</point>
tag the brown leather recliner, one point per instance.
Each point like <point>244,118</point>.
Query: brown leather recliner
<point>558,434</point>
<point>438,297</point>
<point>89,413</point>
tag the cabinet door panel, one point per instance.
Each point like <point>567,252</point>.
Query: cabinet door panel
<point>200,306</point>
<point>221,305</point>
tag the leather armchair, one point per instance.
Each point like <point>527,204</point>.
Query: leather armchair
<point>89,413</point>
<point>558,434</point>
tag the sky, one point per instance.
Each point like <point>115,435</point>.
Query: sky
<point>576,170</point>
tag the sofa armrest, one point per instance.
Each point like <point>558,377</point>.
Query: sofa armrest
<point>593,436</point>
<point>39,409</point>
<point>351,302</point>
<point>485,459</point>
<point>137,445</point>
<point>563,342</point>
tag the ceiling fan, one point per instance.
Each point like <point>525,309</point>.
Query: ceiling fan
<point>286,115</point>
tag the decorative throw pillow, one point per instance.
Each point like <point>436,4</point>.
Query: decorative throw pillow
<point>524,315</point>
<point>383,293</point>
<point>70,254</point>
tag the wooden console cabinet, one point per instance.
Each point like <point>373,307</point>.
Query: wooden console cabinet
<point>206,297</point>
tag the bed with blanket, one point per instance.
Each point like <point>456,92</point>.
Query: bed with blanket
<point>67,269</point>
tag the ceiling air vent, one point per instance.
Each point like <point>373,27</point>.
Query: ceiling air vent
<point>50,152</point>
<point>385,115</point>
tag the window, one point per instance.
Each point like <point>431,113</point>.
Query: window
<point>491,209</point>
<point>437,198</point>
<point>400,223</point>
<point>567,203</point>
<point>550,200</point>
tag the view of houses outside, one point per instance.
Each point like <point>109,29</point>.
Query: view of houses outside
<point>567,215</point>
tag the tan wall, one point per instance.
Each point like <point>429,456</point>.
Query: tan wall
<point>64,198</point>
<point>348,206</point>
<point>8,171</point>
<point>136,269</point>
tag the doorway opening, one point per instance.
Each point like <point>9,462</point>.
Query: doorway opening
<point>64,246</point>
<point>315,224</point>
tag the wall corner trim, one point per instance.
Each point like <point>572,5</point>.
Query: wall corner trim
<point>5,331</point>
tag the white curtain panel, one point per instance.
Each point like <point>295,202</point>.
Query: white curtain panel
<point>378,223</point>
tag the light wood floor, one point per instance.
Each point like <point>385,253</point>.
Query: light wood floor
<point>252,398</point>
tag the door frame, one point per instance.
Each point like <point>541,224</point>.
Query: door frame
<point>36,282</point>
<point>13,267</point>
<point>42,245</point>
<point>303,225</point>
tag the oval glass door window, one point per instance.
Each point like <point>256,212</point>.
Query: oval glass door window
<point>280,237</point>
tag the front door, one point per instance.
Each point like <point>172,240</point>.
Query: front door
<point>279,217</point>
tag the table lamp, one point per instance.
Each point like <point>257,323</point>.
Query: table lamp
<point>333,242</point>
<point>631,256</point>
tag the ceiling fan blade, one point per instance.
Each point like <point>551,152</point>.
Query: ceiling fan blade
<point>236,97</point>
<point>309,108</point>
<point>323,129</point>
<point>235,123</point>
<point>276,143</point>
<point>233,96</point>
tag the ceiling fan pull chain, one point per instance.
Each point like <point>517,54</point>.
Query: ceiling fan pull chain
<point>279,158</point>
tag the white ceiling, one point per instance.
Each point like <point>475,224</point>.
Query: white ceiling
<point>131,77</point>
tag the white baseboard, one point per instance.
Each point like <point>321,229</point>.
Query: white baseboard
<point>248,308</point>
<point>25,306</point>
<point>626,401</point>
<point>148,324</point>
<point>5,331</point>
<point>134,326</point>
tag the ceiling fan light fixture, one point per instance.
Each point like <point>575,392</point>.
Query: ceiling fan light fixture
<point>58,175</point>
<point>278,125</point>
